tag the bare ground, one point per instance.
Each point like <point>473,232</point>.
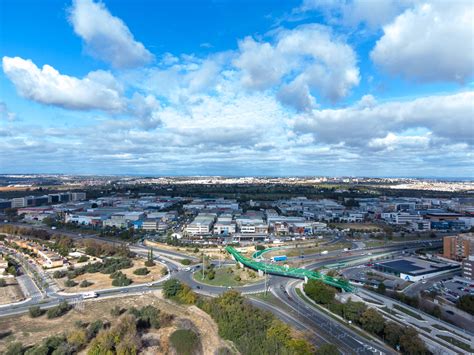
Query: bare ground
<point>103,281</point>
<point>11,292</point>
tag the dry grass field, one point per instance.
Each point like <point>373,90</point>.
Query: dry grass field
<point>102,281</point>
<point>11,292</point>
<point>31,331</point>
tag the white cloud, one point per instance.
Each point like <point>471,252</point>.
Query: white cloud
<point>97,90</point>
<point>5,113</point>
<point>305,60</point>
<point>449,117</point>
<point>393,142</point>
<point>431,42</point>
<point>107,37</point>
<point>352,13</point>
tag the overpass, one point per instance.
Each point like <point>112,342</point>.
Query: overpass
<point>275,269</point>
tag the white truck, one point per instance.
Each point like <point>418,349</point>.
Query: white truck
<point>91,294</point>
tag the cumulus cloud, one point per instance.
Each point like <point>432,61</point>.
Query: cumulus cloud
<point>107,37</point>
<point>431,42</point>
<point>450,117</point>
<point>97,90</point>
<point>146,109</point>
<point>303,61</point>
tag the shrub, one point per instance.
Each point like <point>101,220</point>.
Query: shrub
<point>85,283</point>
<point>35,311</point>
<point>82,259</point>
<point>58,310</point>
<point>116,311</point>
<point>164,272</point>
<point>15,348</point>
<point>58,274</point>
<point>184,341</point>
<point>121,281</point>
<point>142,271</point>
<point>116,275</point>
<point>186,262</point>
<point>150,263</point>
<point>94,328</point>
<point>237,278</point>
<point>3,282</point>
<point>70,283</point>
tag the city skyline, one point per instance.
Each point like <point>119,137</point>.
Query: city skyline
<point>300,88</point>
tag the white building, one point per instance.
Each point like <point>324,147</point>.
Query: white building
<point>201,225</point>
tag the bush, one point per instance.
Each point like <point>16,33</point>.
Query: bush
<point>121,281</point>
<point>141,271</point>
<point>14,349</point>
<point>237,278</point>
<point>117,274</point>
<point>35,311</point>
<point>186,262</point>
<point>59,274</point>
<point>82,259</point>
<point>70,283</point>
<point>116,311</point>
<point>164,272</point>
<point>3,282</point>
<point>150,263</point>
<point>147,317</point>
<point>94,328</point>
<point>184,341</point>
<point>85,283</point>
<point>58,311</point>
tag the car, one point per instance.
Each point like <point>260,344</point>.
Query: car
<point>423,281</point>
<point>450,312</point>
<point>198,287</point>
<point>229,287</point>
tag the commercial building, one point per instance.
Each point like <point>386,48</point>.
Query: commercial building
<point>19,202</point>
<point>458,247</point>
<point>201,225</point>
<point>415,269</point>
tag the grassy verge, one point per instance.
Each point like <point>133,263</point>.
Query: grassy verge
<point>407,311</point>
<point>224,278</point>
<point>456,342</point>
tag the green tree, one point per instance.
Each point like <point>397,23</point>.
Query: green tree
<point>353,310</point>
<point>381,288</point>
<point>35,311</point>
<point>392,333</point>
<point>410,343</point>
<point>171,288</point>
<point>466,303</point>
<point>3,282</point>
<point>319,292</point>
<point>327,349</point>
<point>372,321</point>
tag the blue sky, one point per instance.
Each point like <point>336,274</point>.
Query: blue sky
<point>348,87</point>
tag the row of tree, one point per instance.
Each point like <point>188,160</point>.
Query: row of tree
<point>399,337</point>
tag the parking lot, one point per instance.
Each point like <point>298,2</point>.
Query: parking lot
<point>453,289</point>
